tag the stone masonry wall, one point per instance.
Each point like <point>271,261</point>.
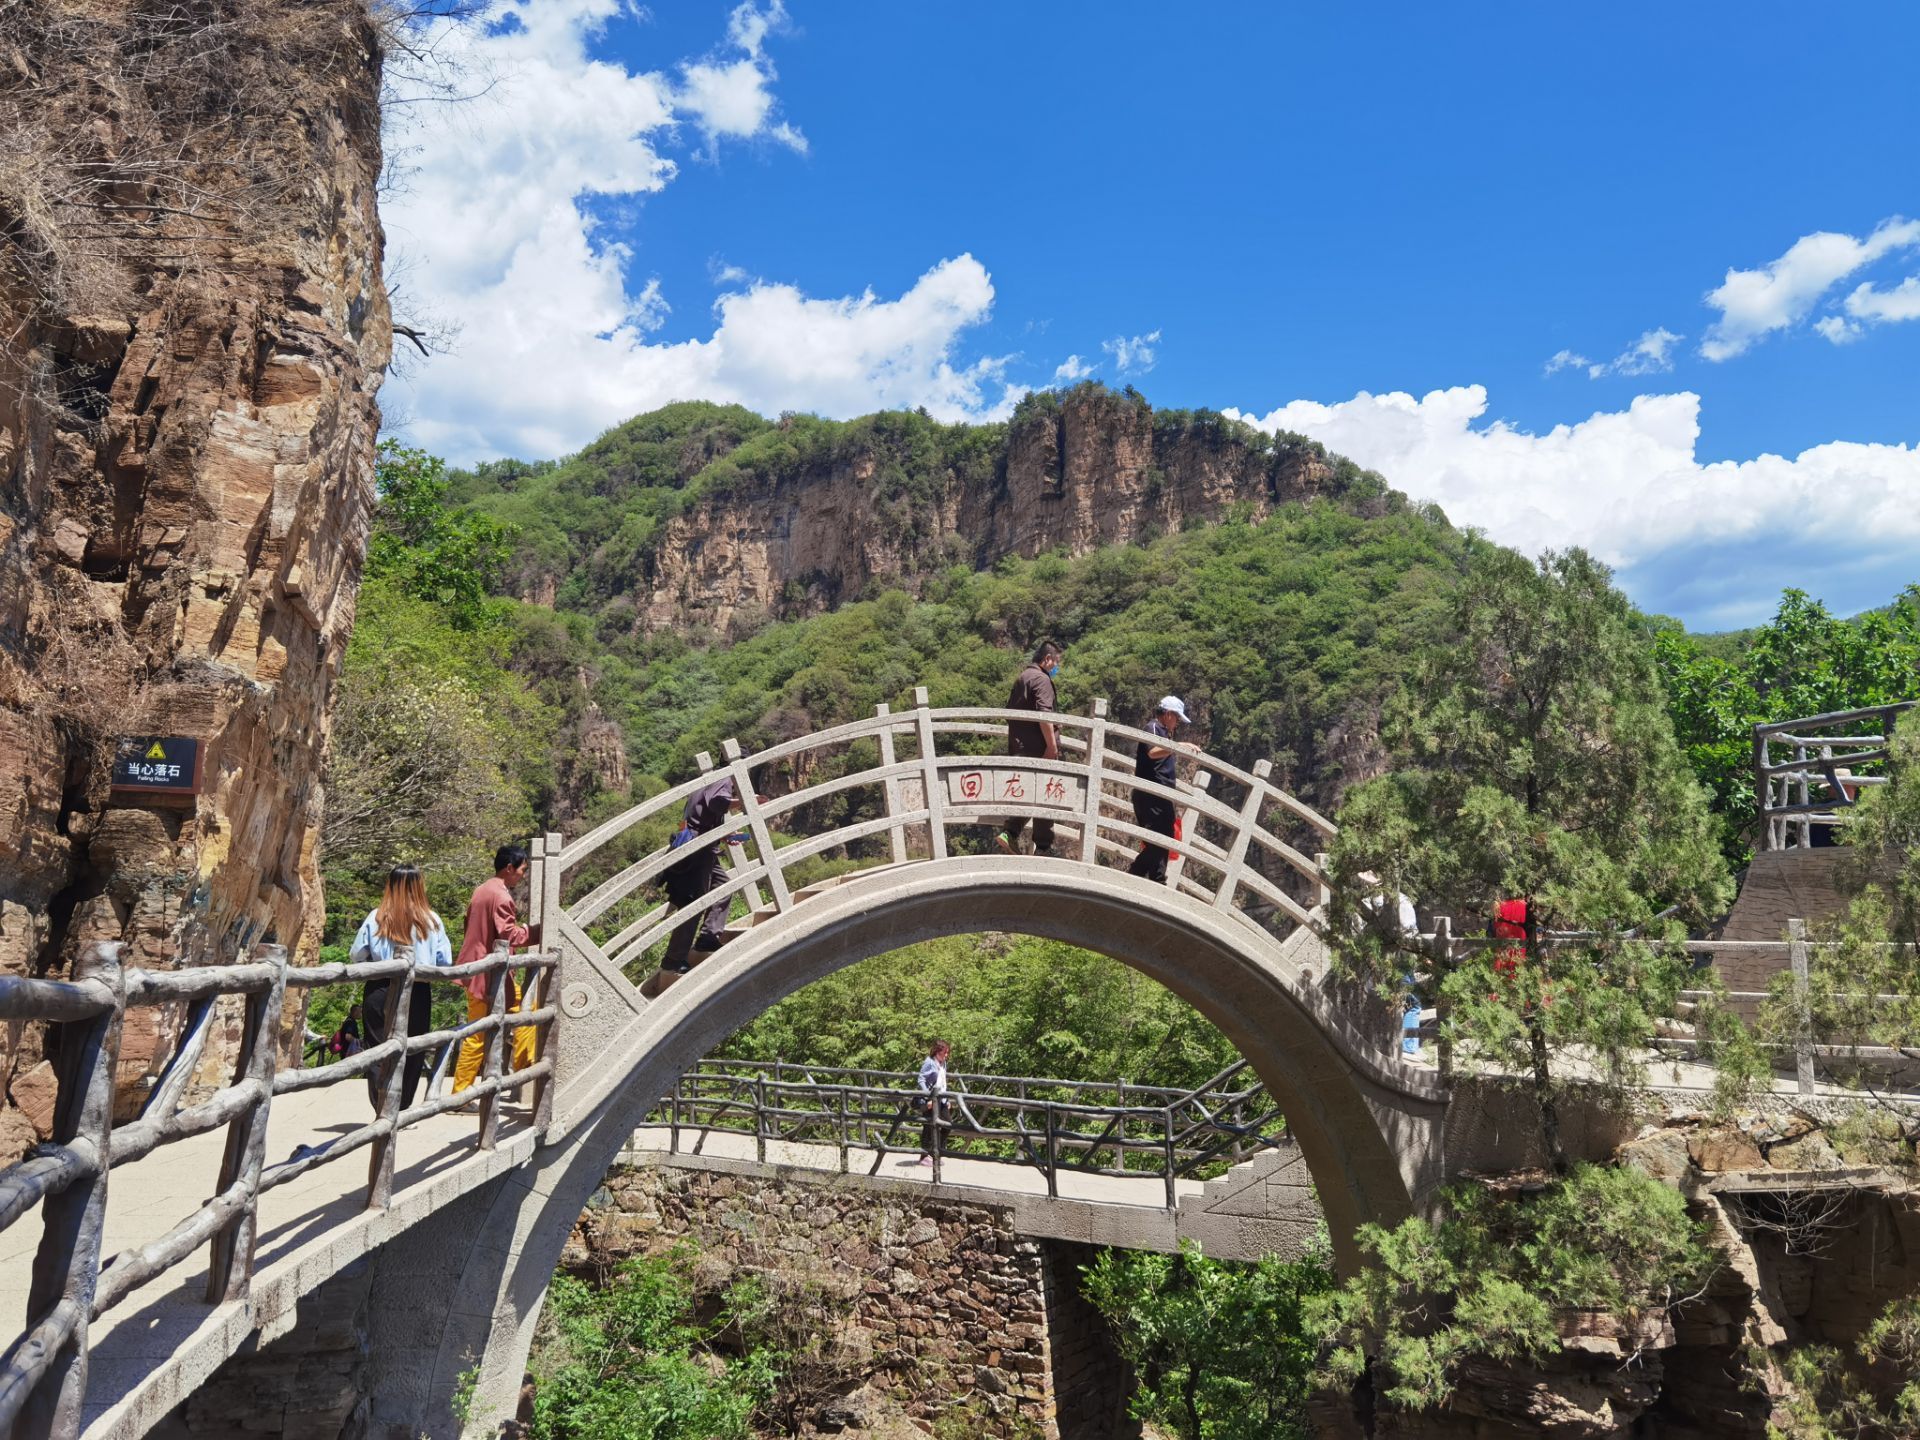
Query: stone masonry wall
<point>941,1317</point>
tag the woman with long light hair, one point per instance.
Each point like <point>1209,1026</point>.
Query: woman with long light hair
<point>401,926</point>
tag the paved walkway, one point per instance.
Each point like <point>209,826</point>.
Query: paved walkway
<point>1001,1177</point>
<point>298,1221</point>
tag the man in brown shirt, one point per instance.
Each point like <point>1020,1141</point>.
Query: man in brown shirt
<point>1033,691</point>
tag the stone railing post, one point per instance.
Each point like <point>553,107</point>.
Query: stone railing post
<point>757,824</point>
<point>1243,837</point>
<point>1802,1006</point>
<point>1096,770</point>
<point>896,832</point>
<point>545,989</point>
<point>936,791</point>
<point>736,852</point>
<point>66,1268</point>
<point>230,1266</point>
<point>1178,864</point>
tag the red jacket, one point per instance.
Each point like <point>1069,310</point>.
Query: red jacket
<point>492,919</point>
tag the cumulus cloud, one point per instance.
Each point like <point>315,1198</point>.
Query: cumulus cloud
<point>1133,354</point>
<point>1630,486</point>
<point>1567,360</point>
<point>1901,302</point>
<point>494,232</point>
<point>1838,329</point>
<point>1754,303</point>
<point>1071,369</point>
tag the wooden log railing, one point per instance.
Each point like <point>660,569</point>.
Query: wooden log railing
<point>1115,1129</point>
<point>43,1372</point>
<point>1800,790</point>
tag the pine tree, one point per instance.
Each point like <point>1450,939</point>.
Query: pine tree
<point>1535,761</point>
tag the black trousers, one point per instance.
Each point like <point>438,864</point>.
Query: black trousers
<point>417,1010</point>
<point>1152,812</point>
<point>686,883</point>
<point>1042,833</point>
<point>935,1113</point>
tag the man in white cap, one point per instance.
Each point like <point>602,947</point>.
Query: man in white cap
<point>1155,762</point>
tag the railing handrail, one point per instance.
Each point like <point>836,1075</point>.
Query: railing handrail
<point>1228,855</point>
<point>1074,1134</point>
<point>43,1372</point>
<point>1833,717</point>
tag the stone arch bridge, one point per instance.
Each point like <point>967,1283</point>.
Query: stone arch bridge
<point>138,1286</point>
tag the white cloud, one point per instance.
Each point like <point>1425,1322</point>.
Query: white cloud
<point>1133,354</point>
<point>1630,486</point>
<point>1754,303</point>
<point>1838,329</point>
<point>1566,360</point>
<point>733,99</point>
<point>1902,302</point>
<point>1651,354</point>
<point>1071,369</point>
<point>555,337</point>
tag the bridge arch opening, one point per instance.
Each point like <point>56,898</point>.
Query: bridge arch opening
<point>1365,1125</point>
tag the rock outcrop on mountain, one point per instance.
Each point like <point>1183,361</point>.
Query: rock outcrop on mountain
<point>195,326</point>
<point>1076,472</point>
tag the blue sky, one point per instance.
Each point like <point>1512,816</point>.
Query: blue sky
<point>1577,276</point>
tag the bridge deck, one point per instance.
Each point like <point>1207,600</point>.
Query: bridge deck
<point>1001,1177</point>
<point>131,1342</point>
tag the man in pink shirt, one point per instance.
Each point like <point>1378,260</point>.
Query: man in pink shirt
<point>493,921</point>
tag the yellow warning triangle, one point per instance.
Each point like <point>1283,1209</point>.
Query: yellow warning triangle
<point>156,751</point>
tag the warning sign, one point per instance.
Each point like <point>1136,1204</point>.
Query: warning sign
<point>157,765</point>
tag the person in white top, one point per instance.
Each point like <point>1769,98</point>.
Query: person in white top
<point>402,925</point>
<point>933,1092</point>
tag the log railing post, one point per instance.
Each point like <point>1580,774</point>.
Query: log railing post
<point>1167,1157</point>
<point>66,1268</point>
<point>757,824</point>
<point>760,1118</point>
<point>896,832</point>
<point>389,1083</point>
<point>1802,1006</point>
<point>1243,837</point>
<point>230,1265</point>
<point>1442,1006</point>
<point>1764,839</point>
<point>1053,1152</point>
<point>1096,770</point>
<point>499,1046</point>
<point>930,779</point>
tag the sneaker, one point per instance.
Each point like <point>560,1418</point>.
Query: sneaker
<point>925,1160</point>
<point>1003,842</point>
<point>707,944</point>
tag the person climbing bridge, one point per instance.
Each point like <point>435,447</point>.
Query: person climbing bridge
<point>493,922</point>
<point>402,925</point>
<point>1033,690</point>
<point>693,875</point>
<point>1155,762</point>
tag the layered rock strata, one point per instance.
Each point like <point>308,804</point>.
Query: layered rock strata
<point>185,480</point>
<point>1094,470</point>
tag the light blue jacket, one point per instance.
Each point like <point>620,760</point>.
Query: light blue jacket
<point>433,948</point>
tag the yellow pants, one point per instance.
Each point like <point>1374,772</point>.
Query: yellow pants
<point>473,1049</point>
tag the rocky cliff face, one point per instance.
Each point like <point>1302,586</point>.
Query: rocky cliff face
<point>1094,469</point>
<point>187,475</point>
